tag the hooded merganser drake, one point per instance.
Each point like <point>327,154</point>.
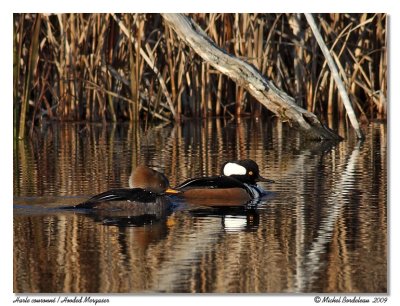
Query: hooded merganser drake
<point>236,186</point>
<point>146,186</point>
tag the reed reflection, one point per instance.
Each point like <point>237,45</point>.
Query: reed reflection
<point>323,230</point>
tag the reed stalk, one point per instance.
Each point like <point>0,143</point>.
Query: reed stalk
<point>32,62</point>
<point>139,57</point>
<point>335,74</point>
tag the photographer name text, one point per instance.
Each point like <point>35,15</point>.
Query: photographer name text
<point>350,300</point>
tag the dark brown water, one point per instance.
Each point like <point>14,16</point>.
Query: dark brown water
<point>323,229</point>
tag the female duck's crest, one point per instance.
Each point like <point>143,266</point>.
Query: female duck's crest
<point>150,180</point>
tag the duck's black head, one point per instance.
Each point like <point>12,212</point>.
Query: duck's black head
<point>245,170</point>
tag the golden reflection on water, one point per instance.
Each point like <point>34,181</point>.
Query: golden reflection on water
<point>323,230</point>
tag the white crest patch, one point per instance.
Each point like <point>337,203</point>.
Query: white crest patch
<point>234,169</point>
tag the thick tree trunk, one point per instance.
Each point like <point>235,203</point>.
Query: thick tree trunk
<point>249,77</point>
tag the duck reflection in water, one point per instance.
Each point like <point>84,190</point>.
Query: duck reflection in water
<point>233,219</point>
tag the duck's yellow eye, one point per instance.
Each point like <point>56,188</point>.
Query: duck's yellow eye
<point>250,172</point>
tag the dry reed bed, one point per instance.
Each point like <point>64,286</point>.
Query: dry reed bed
<point>109,67</point>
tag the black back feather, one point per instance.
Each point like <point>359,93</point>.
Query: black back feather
<point>211,182</point>
<point>122,194</point>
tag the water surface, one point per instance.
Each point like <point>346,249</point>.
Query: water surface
<point>322,229</point>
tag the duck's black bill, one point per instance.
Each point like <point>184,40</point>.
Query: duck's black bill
<point>263,179</point>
